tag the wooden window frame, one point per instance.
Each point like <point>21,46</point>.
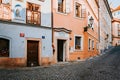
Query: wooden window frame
<point>33,9</point>
<point>5,11</point>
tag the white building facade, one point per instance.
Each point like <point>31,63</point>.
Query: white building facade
<point>25,32</point>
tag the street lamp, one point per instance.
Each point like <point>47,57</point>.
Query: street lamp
<point>91,20</point>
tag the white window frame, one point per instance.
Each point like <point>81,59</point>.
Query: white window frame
<point>81,43</point>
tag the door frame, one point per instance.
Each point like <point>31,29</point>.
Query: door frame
<point>65,53</point>
<point>39,49</point>
<point>64,50</point>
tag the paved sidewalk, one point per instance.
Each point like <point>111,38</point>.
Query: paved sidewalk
<point>104,67</point>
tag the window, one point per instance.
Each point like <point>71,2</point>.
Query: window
<point>78,9</point>
<point>4,47</point>
<point>93,45</point>
<point>118,26</point>
<point>118,33</point>
<point>97,46</point>
<point>118,12</point>
<point>78,41</point>
<point>61,6</point>
<point>118,41</point>
<point>5,10</point>
<point>33,13</point>
<point>114,14</point>
<point>89,44</point>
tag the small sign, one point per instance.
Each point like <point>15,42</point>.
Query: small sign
<point>43,37</point>
<point>22,35</point>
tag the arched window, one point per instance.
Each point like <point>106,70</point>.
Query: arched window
<point>4,47</point>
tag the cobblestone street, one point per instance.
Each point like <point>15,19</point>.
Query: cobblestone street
<point>104,67</point>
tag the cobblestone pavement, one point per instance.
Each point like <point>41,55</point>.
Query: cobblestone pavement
<point>104,67</point>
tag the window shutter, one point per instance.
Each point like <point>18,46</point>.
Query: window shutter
<point>68,2</point>
<point>83,11</point>
<point>88,19</point>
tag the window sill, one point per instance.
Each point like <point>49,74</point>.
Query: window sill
<point>78,50</point>
<point>78,18</point>
<point>62,13</point>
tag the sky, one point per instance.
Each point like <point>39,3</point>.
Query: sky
<point>114,3</point>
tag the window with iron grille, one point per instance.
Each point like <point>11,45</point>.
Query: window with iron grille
<point>33,13</point>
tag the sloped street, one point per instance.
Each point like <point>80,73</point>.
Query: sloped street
<point>104,67</point>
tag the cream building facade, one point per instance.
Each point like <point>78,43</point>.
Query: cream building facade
<point>105,25</point>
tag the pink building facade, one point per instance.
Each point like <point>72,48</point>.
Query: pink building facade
<point>73,37</point>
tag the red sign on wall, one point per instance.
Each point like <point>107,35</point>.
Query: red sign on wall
<point>22,34</point>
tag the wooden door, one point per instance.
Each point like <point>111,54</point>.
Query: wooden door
<point>32,53</point>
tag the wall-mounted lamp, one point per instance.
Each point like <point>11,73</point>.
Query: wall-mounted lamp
<point>91,21</point>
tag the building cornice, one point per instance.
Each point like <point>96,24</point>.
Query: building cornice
<point>24,24</point>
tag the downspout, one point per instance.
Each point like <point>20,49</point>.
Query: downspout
<point>52,21</point>
<point>99,23</point>
<point>52,27</point>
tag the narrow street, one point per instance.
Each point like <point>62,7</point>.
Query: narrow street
<point>105,67</point>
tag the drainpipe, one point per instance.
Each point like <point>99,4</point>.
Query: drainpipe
<point>99,23</point>
<point>52,21</point>
<point>52,27</point>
